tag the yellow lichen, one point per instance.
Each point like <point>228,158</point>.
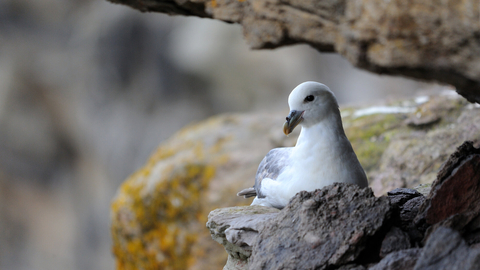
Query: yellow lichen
<point>155,229</point>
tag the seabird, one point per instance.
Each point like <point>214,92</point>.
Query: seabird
<point>322,156</point>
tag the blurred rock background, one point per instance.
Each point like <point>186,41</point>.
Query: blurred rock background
<point>88,89</point>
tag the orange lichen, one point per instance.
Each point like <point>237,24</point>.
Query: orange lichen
<point>159,213</point>
<point>155,229</point>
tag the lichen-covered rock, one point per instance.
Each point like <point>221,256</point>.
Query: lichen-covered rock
<point>424,189</point>
<point>153,223</point>
<point>322,229</point>
<point>413,156</point>
<point>159,213</point>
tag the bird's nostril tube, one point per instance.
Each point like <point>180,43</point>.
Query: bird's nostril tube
<point>287,118</point>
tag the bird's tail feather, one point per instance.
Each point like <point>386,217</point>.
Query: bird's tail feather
<point>247,193</point>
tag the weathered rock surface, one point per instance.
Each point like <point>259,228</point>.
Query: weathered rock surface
<point>406,203</point>
<point>400,196</point>
<point>325,228</point>
<point>351,267</point>
<point>395,240</point>
<point>454,201</point>
<point>236,228</point>
<point>457,186</point>
<point>445,249</point>
<point>419,39</point>
<point>406,162</point>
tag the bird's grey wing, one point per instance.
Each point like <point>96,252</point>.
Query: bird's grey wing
<point>252,192</point>
<point>271,166</point>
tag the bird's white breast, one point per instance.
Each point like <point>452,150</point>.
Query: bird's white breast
<point>321,157</point>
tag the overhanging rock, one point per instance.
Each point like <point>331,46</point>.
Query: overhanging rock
<point>421,39</point>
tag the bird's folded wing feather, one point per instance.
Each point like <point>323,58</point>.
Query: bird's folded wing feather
<point>271,166</point>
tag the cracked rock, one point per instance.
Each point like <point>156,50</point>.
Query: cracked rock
<point>446,250</point>
<point>323,229</point>
<point>235,228</point>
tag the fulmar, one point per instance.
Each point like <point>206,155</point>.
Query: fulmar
<point>322,156</point>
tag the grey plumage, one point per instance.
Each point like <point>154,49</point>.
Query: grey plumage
<point>270,167</point>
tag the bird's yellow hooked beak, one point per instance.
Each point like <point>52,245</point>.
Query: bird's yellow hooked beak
<point>293,119</point>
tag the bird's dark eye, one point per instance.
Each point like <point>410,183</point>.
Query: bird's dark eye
<point>309,98</point>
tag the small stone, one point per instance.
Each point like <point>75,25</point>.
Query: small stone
<point>395,240</point>
<point>398,260</point>
<point>406,203</point>
<point>422,120</point>
<point>399,196</point>
<point>403,191</point>
<point>409,210</point>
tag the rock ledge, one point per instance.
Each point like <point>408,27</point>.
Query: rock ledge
<point>343,226</point>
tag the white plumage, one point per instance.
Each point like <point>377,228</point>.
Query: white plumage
<point>322,156</point>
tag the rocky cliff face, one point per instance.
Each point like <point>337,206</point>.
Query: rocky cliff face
<point>159,213</point>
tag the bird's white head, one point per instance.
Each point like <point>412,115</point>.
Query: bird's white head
<point>310,103</point>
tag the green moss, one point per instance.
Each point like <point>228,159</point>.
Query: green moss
<point>371,134</point>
